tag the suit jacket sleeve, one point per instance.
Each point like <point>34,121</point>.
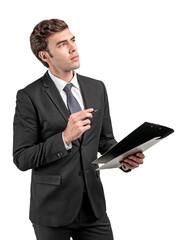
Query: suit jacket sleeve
<point>107,139</point>
<point>28,150</point>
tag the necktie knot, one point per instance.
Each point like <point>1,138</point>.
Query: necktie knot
<point>68,87</point>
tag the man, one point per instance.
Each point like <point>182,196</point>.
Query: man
<point>61,121</point>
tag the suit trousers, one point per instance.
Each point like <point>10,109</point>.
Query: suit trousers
<point>85,227</point>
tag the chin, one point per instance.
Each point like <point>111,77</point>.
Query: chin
<point>76,66</point>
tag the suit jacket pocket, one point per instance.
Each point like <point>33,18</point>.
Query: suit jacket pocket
<point>47,193</point>
<point>46,179</point>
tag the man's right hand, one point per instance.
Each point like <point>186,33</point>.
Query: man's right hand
<point>78,123</point>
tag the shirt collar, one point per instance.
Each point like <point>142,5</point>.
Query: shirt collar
<point>60,84</point>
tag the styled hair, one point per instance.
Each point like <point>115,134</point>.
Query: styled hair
<point>40,34</point>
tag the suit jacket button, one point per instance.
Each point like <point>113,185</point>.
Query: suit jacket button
<point>59,155</point>
<point>81,173</point>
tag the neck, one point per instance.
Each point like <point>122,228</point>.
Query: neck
<point>65,76</point>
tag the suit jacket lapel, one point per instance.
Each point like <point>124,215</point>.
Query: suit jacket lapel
<point>54,95</point>
<point>86,92</point>
<point>89,101</point>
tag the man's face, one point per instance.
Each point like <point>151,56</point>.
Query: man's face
<point>63,55</point>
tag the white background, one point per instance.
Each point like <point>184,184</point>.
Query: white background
<point>142,52</point>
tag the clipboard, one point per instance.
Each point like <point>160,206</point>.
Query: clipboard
<point>141,139</point>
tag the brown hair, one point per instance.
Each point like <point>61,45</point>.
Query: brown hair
<point>40,34</point>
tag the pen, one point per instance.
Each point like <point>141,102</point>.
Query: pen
<point>95,110</point>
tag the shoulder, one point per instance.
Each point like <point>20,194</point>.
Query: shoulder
<point>90,82</point>
<point>34,87</point>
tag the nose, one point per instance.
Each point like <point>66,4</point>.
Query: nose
<point>73,47</point>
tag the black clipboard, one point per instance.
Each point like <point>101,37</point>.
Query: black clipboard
<point>141,139</point>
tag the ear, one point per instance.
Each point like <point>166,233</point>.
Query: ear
<point>43,55</point>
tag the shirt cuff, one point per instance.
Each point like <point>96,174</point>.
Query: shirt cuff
<point>69,146</point>
<point>125,169</point>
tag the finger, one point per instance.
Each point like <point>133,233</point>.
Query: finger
<point>136,159</point>
<point>85,122</point>
<point>89,110</point>
<point>85,114</point>
<point>81,115</point>
<point>85,128</point>
<point>140,155</point>
<point>131,162</point>
<point>127,165</point>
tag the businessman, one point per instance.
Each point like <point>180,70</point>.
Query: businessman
<point>61,122</point>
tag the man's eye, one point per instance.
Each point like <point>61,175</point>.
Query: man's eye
<point>61,45</point>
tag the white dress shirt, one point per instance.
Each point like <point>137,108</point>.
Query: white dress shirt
<point>60,84</point>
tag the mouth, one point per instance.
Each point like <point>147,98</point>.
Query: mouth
<point>75,58</point>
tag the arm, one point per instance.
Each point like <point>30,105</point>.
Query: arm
<point>107,139</point>
<point>28,150</point>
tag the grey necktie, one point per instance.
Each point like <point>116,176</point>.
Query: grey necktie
<point>72,103</point>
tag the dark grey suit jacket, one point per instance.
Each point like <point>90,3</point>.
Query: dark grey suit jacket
<point>60,176</point>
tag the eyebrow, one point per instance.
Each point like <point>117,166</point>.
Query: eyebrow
<point>63,41</point>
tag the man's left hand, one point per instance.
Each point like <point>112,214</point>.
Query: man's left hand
<point>133,161</point>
